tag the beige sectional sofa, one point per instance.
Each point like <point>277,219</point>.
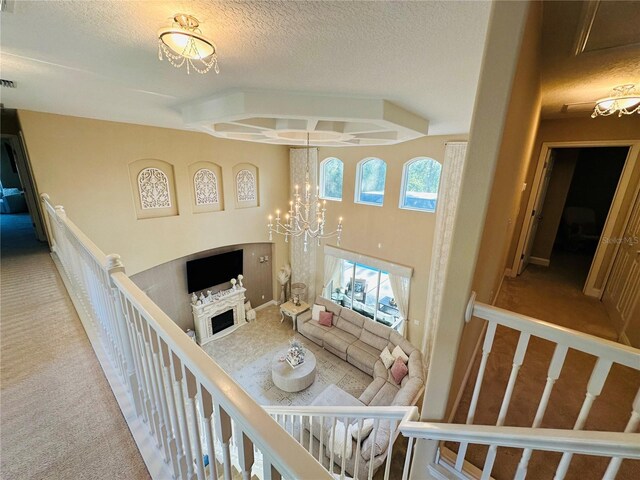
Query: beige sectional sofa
<point>359,341</point>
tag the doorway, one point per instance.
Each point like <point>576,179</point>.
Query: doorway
<point>574,221</point>
<point>581,184</point>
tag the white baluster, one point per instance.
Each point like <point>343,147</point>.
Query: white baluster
<point>182,412</point>
<point>167,431</point>
<point>206,405</point>
<point>224,433</point>
<point>245,455</point>
<point>344,447</point>
<point>407,459</point>
<point>358,447</point>
<point>632,425</point>
<point>594,388</point>
<point>196,448</point>
<point>392,430</point>
<point>518,359</point>
<point>175,419</point>
<point>555,367</point>
<point>374,432</point>
<point>486,349</point>
<point>331,445</point>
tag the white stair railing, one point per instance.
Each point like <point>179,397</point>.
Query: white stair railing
<point>315,426</point>
<point>194,411</point>
<point>616,445</point>
<point>606,352</point>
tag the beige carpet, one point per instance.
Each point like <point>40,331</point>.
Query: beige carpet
<point>59,418</point>
<point>553,295</point>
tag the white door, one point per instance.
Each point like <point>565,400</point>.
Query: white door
<point>536,212</point>
<point>621,295</point>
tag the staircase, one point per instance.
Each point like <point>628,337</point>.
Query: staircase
<point>197,423</point>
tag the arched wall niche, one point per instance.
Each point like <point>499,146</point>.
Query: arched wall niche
<point>154,188</point>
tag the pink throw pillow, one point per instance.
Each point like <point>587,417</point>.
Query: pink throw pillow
<point>399,370</point>
<point>326,319</point>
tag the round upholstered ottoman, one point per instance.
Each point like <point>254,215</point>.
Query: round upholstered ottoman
<point>290,379</point>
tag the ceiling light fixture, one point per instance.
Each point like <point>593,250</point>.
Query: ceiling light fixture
<point>624,99</point>
<point>184,44</point>
<point>300,220</point>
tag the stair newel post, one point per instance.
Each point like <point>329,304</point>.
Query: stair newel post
<point>224,433</point>
<point>114,264</point>
<point>178,383</point>
<point>632,425</point>
<point>594,388</point>
<point>206,405</point>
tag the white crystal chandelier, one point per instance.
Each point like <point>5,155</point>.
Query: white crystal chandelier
<point>624,100</point>
<point>301,221</point>
<point>184,44</point>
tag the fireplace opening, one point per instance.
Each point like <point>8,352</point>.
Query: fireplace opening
<point>222,321</point>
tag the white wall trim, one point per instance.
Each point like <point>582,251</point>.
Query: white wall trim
<point>265,305</point>
<point>139,431</point>
<point>544,262</point>
<point>378,263</point>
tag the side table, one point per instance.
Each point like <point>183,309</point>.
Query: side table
<point>292,310</point>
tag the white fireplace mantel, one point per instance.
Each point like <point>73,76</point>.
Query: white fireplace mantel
<point>232,299</point>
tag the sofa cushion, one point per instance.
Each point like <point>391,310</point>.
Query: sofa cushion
<point>350,321</point>
<point>408,392</point>
<point>337,341</point>
<point>332,307</point>
<point>415,365</point>
<point>314,331</point>
<point>372,390</point>
<point>381,439</point>
<point>334,396</point>
<point>397,340</point>
<point>379,370</point>
<point>399,370</point>
<point>375,334</point>
<point>362,356</point>
<point>385,395</point>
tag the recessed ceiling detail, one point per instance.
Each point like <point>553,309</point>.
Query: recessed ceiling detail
<point>285,118</point>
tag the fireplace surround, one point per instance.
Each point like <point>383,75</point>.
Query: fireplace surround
<point>212,317</point>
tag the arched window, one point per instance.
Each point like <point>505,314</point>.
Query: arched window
<point>370,179</point>
<point>331,176</point>
<point>153,186</point>
<point>205,183</point>
<point>420,182</point>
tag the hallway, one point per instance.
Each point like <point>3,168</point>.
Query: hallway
<point>554,295</point>
<point>59,418</point>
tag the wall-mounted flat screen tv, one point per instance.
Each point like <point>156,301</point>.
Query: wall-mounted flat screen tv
<point>210,271</point>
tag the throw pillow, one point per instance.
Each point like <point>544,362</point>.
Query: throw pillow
<point>365,430</point>
<point>399,370</point>
<point>387,358</point>
<point>399,353</point>
<point>326,319</point>
<point>336,441</point>
<point>315,311</point>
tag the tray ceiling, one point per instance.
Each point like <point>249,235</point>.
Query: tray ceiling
<point>100,60</point>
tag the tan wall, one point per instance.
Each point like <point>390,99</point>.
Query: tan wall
<point>553,206</point>
<point>83,165</point>
<point>166,284</point>
<point>517,143</point>
<point>388,232</point>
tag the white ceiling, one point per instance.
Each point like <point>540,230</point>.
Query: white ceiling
<point>99,59</point>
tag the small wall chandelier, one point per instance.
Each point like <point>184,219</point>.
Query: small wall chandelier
<point>300,221</point>
<point>624,99</point>
<point>184,44</point>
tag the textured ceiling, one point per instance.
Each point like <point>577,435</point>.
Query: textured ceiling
<point>611,55</point>
<point>99,58</point>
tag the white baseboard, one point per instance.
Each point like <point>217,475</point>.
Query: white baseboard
<point>543,262</point>
<point>151,456</point>
<point>265,305</point>
<point>624,339</point>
